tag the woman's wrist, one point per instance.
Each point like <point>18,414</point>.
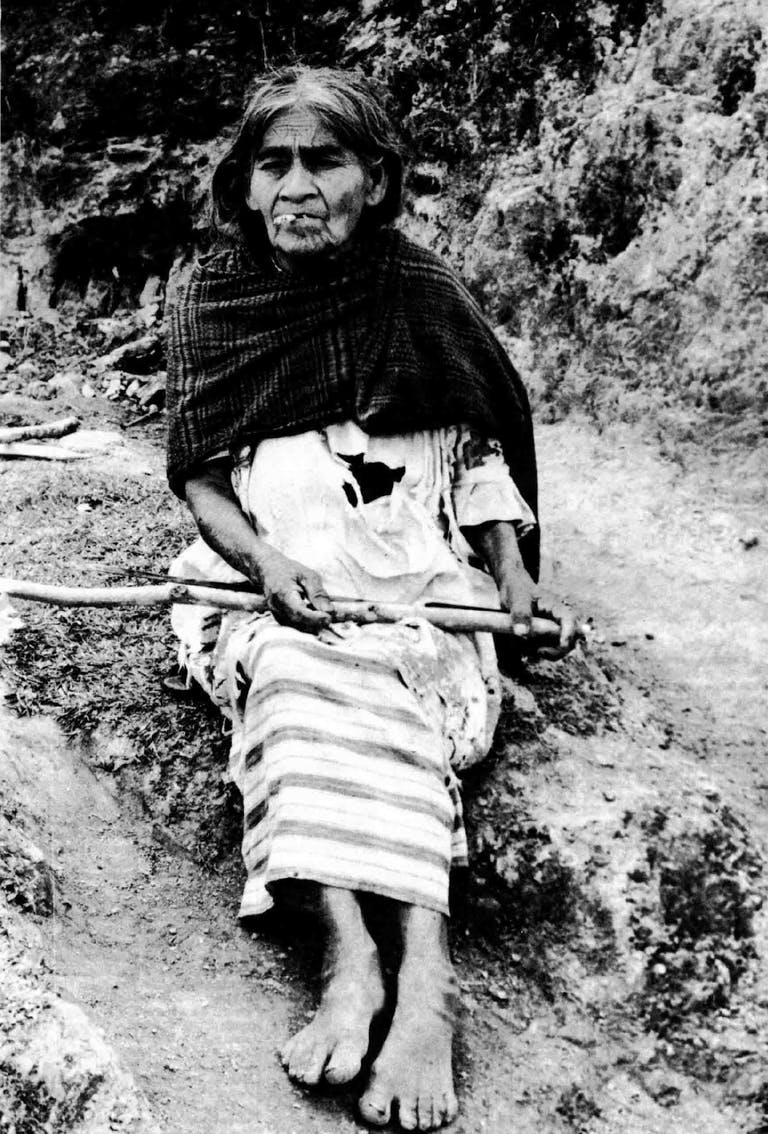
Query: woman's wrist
<point>261,560</point>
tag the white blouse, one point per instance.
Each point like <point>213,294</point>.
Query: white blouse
<point>381,518</point>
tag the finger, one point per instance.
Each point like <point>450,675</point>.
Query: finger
<point>291,609</point>
<point>315,594</point>
<point>520,614</point>
<point>562,614</point>
<point>568,630</point>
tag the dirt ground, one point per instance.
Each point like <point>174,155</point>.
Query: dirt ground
<point>669,555</point>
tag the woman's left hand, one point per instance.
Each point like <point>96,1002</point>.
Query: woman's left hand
<point>497,542</point>
<point>560,613</point>
<point>519,595</point>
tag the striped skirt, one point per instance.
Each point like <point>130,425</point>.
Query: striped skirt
<point>345,748</point>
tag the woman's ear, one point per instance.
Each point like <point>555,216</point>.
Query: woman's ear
<point>377,183</point>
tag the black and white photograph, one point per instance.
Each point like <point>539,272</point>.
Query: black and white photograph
<point>384,567</point>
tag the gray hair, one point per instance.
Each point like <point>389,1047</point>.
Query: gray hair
<point>346,102</point>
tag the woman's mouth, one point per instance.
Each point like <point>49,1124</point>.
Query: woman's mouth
<point>297,220</point>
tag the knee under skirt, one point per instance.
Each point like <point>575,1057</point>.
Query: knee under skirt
<point>346,748</point>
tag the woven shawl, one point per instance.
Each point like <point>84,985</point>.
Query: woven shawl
<point>388,337</point>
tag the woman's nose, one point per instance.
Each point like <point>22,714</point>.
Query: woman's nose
<point>298,183</point>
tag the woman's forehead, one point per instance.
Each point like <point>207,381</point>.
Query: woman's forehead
<point>298,128</point>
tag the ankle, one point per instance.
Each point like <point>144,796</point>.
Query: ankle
<point>350,960</point>
<point>437,974</point>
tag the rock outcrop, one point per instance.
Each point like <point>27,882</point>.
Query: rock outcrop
<point>625,251</point>
<point>57,1070</point>
<point>599,176</point>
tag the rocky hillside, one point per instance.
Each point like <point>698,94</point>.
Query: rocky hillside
<point>597,170</point>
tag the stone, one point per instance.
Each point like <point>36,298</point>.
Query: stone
<point>153,393</point>
<point>66,382</point>
<point>139,356</point>
<point>749,539</point>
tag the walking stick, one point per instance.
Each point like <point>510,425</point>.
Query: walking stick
<point>446,616</point>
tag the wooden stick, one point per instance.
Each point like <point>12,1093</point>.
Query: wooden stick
<point>39,451</point>
<point>142,419</point>
<point>58,428</point>
<point>457,619</point>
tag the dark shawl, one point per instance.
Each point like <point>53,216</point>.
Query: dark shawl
<point>387,336</point>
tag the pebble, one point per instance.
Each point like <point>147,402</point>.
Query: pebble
<point>638,874</point>
<point>748,539</point>
<point>113,389</point>
<point>65,382</point>
<point>36,388</point>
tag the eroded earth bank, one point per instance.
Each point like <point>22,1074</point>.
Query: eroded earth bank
<point>611,938</point>
<point>597,171</point>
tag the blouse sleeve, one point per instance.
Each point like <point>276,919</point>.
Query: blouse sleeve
<point>483,488</point>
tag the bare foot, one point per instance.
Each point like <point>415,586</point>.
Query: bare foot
<point>336,1040</point>
<point>414,1067</point>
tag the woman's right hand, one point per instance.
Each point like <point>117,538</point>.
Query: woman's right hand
<point>294,594</point>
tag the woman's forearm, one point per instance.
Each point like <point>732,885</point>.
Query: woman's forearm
<point>295,594</point>
<point>497,543</point>
<point>223,524</point>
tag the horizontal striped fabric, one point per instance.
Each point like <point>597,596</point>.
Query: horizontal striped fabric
<point>342,748</point>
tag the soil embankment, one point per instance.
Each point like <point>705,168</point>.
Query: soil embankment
<point>611,948</point>
<point>597,172</point>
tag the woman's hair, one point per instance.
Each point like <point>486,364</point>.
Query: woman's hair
<point>347,104</point>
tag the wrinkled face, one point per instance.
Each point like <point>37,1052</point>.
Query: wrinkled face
<point>309,189</point>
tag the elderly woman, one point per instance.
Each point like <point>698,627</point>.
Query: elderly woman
<point>344,424</point>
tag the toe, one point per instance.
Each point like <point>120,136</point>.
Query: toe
<point>344,1064</point>
<point>428,1120</point>
<point>450,1108</point>
<point>375,1108</point>
<point>310,1070</point>
<point>286,1052</point>
<point>408,1116</point>
<point>299,1059</point>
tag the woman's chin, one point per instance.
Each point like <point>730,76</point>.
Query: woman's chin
<point>292,248</point>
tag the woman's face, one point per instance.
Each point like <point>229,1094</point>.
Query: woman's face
<point>309,189</point>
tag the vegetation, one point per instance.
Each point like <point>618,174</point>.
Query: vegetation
<point>464,76</point>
